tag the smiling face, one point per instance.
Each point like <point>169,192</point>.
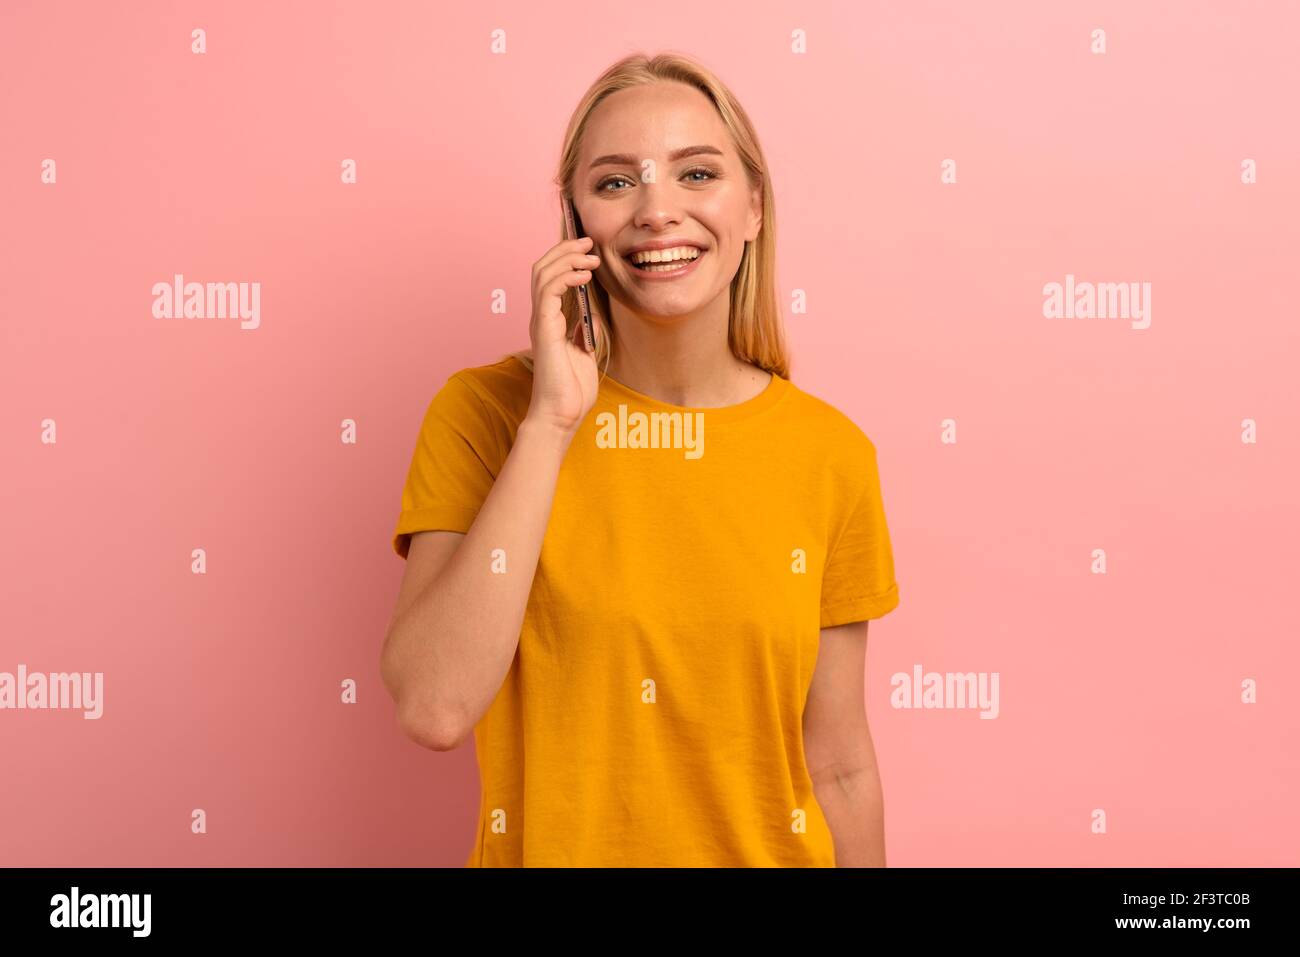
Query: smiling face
<point>697,197</point>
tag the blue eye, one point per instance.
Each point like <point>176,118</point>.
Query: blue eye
<point>711,172</point>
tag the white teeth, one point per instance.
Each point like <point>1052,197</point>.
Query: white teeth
<point>665,255</point>
<point>660,267</point>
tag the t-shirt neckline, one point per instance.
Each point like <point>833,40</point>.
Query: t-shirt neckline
<point>615,392</point>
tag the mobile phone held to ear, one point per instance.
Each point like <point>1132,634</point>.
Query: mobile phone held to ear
<point>572,231</point>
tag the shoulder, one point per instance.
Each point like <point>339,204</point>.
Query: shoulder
<point>839,437</point>
<point>504,387</point>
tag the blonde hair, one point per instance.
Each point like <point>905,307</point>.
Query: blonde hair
<point>754,331</point>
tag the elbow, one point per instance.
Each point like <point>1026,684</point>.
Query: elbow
<point>435,728</point>
<point>434,731</point>
<point>428,727</point>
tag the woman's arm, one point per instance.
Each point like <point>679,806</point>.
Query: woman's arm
<point>838,750</point>
<point>456,628</point>
<point>450,646</point>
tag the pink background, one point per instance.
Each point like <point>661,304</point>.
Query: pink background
<point>1118,691</point>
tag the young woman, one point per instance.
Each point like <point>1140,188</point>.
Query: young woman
<point>646,589</point>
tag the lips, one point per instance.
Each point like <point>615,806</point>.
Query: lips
<point>666,244</point>
<point>671,270</point>
<point>656,255</point>
<point>653,266</point>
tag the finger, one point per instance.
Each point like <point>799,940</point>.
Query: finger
<point>565,265</point>
<point>550,312</point>
<point>565,247</point>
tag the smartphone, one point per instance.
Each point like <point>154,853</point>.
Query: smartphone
<point>572,230</point>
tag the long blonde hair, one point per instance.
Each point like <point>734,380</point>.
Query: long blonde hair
<point>754,330</point>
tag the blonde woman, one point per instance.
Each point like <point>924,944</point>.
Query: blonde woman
<point>642,577</point>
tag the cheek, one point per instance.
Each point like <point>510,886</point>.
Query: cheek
<point>601,231</point>
<point>726,217</point>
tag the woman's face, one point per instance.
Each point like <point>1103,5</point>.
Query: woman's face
<point>633,186</point>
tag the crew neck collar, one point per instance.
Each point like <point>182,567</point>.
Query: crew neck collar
<point>614,392</point>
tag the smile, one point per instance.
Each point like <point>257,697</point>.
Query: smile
<point>666,263</point>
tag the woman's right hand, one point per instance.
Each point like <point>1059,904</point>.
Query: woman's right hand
<point>564,372</point>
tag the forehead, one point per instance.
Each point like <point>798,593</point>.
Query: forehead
<point>651,121</point>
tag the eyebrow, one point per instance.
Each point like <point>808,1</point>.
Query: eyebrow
<point>627,159</point>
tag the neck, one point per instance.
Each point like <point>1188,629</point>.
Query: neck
<point>684,360</point>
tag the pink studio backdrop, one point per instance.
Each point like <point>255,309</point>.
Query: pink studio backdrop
<point>1120,692</point>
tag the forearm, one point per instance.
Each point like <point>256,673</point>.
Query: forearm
<point>853,805</point>
<point>454,646</point>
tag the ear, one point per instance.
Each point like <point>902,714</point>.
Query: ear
<point>754,225</point>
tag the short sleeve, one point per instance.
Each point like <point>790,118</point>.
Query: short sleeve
<point>455,462</point>
<point>858,583</point>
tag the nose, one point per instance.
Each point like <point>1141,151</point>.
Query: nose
<point>655,208</point>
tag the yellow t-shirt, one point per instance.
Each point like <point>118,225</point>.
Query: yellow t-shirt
<point>653,714</point>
